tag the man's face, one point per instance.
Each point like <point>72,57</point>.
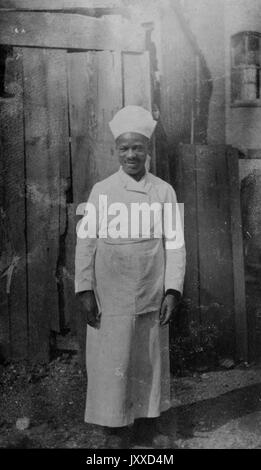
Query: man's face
<point>132,150</point>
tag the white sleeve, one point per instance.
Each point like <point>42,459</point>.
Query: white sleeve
<point>175,252</point>
<point>87,232</point>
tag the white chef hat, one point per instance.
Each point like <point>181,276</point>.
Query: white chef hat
<point>132,119</point>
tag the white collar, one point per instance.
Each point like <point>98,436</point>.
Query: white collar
<point>142,186</point>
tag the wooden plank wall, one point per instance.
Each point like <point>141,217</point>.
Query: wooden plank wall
<point>46,141</point>
<point>14,295</point>
<point>207,183</point>
<point>95,91</point>
<point>63,146</point>
<point>60,109</point>
<point>35,161</point>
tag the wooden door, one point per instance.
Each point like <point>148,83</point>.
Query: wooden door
<point>55,144</point>
<point>208,185</point>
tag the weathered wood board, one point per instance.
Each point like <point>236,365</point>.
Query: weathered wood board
<point>71,303</point>
<point>186,186</point>
<point>46,138</point>
<point>162,166</point>
<point>95,94</point>
<point>12,134</point>
<point>215,247</point>
<point>70,31</point>
<point>238,256</point>
<point>136,77</point>
<point>58,4</point>
<point>207,182</point>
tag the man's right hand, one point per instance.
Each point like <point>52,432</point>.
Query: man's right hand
<point>90,305</point>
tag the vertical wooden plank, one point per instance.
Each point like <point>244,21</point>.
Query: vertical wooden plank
<point>238,256</point>
<point>74,314</point>
<point>58,108</point>
<point>186,187</point>
<point>95,95</point>
<point>5,261</point>
<point>136,77</point>
<point>177,79</point>
<point>5,346</point>
<point>215,250</point>
<point>5,256</point>
<point>162,153</point>
<point>82,81</point>
<point>12,131</point>
<point>109,101</point>
<point>71,305</point>
<point>46,138</point>
<point>58,321</point>
<point>185,184</point>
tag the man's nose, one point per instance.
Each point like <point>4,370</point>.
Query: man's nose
<point>130,153</point>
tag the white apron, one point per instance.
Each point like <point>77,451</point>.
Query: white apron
<point>128,356</point>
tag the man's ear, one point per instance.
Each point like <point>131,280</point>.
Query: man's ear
<point>147,163</point>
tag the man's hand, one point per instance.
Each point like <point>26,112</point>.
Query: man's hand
<point>168,307</point>
<point>89,302</point>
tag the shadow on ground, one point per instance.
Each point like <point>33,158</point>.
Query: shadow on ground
<point>208,415</point>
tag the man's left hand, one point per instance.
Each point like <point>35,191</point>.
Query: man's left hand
<point>168,307</point>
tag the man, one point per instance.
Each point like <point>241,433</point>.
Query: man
<point>130,282</point>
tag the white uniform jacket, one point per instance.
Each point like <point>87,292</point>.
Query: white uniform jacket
<point>119,258</point>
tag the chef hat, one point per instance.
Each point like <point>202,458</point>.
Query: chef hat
<point>132,119</point>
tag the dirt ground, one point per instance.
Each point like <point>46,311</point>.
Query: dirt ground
<point>43,406</point>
